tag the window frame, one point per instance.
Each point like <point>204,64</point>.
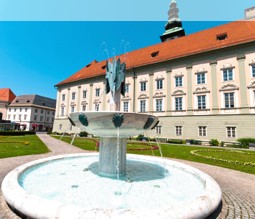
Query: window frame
<point>178,104</point>
<point>63,97</point>
<point>73,95</point>
<point>226,72</point>
<point>231,131</point>
<point>201,78</point>
<point>143,86</point>
<point>178,81</point>
<point>201,102</point>
<point>178,130</point>
<point>142,105</point>
<point>229,102</point>
<point>159,84</point>
<point>125,106</point>
<point>253,71</point>
<point>202,131</point>
<point>159,105</point>
<point>97,92</point>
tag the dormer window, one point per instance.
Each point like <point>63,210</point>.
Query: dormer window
<point>103,67</point>
<point>222,36</point>
<point>154,54</point>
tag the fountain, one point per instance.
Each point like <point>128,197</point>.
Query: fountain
<point>110,184</point>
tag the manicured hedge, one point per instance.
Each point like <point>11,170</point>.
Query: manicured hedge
<point>16,133</point>
<point>245,142</point>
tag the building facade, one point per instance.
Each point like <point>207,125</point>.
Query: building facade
<point>201,86</point>
<point>32,112</point>
<point>6,97</point>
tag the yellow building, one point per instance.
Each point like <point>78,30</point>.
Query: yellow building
<point>201,86</point>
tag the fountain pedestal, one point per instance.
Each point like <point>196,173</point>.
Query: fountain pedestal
<point>112,157</point>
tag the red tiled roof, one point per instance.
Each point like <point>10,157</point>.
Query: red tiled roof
<point>7,95</point>
<point>237,32</point>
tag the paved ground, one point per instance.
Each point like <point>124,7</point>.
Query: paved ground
<point>238,188</point>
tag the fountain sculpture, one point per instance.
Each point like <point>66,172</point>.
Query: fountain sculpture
<point>110,185</point>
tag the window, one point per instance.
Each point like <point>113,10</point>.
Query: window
<point>159,84</point>
<point>158,129</point>
<point>142,105</point>
<point>143,86</point>
<point>41,118</point>
<point>36,110</point>
<point>47,119</point>
<point>178,82</point>
<point>202,131</point>
<point>20,109</point>
<point>20,117</point>
<point>125,106</point>
<point>72,109</point>
<point>159,105</point>
<point>201,78</point>
<point>42,111</point>
<point>228,74</point>
<point>10,109</point>
<point>25,117</point>
<point>63,97</point>
<point>201,102</point>
<point>14,109</point>
<point>53,113</point>
<point>178,103</point>
<point>84,94</point>
<point>9,117</point>
<point>35,117</point>
<point>14,117</point>
<point>62,111</point>
<point>96,107</point>
<point>231,132</point>
<point>73,95</point>
<point>127,88</point>
<point>60,126</point>
<point>84,108</point>
<point>48,112</point>
<point>229,100</point>
<point>25,109</point>
<point>253,71</point>
<point>178,130</point>
<point>97,92</point>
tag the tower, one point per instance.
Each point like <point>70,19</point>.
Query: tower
<point>173,27</point>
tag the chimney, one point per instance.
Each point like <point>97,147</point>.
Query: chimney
<point>250,13</point>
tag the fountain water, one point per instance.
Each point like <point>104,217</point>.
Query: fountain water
<point>109,185</point>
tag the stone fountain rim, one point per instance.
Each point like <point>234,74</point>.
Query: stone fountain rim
<point>37,207</point>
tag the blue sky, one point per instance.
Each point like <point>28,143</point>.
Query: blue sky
<point>44,42</point>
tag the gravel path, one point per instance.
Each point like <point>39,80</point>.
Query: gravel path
<point>238,188</point>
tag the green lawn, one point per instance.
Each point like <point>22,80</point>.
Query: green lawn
<point>242,160</point>
<point>12,146</point>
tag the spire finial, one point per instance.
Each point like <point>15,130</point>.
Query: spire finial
<point>173,11</point>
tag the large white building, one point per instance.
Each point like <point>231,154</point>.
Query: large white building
<point>32,112</point>
<point>201,86</point>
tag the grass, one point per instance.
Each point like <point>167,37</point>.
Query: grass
<point>241,160</point>
<point>12,146</point>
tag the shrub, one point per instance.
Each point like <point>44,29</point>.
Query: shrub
<point>196,142</point>
<point>214,142</point>
<point>222,143</point>
<point>140,137</point>
<point>83,134</point>
<point>175,141</point>
<point>244,142</point>
<point>16,133</point>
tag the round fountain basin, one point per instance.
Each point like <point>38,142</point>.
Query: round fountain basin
<point>101,123</point>
<point>69,187</point>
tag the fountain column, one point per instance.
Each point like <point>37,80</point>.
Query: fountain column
<point>111,163</point>
<point>112,150</point>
